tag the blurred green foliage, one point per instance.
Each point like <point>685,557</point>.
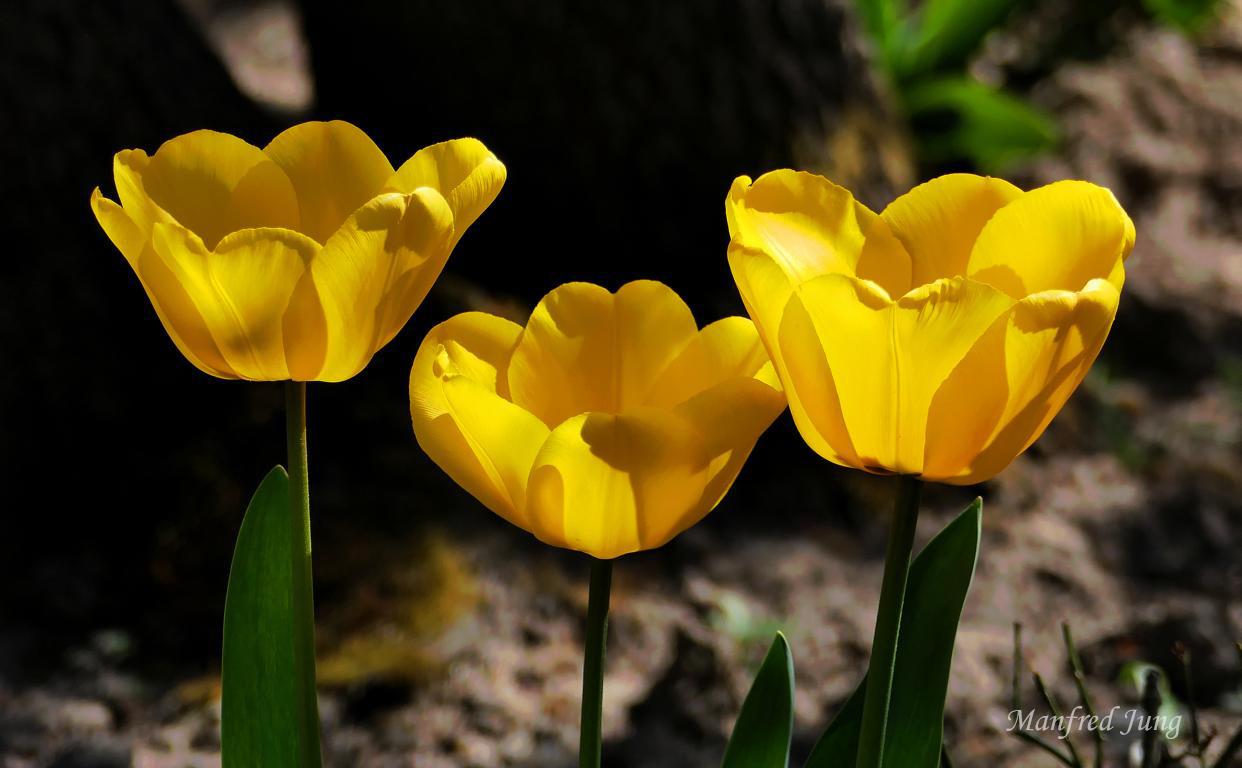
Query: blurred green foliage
<point>731,615</point>
<point>925,49</point>
<point>1134,675</point>
<point>958,117</point>
<point>955,117</point>
<point>1190,16</point>
<point>1231,373</point>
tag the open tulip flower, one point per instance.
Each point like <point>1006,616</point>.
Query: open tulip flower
<point>939,338</point>
<point>296,261</point>
<point>933,341</point>
<point>609,424</point>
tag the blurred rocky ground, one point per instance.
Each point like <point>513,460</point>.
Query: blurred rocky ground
<point>448,639</point>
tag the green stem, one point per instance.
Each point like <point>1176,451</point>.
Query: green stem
<point>888,623</point>
<point>591,744</point>
<point>303,601</point>
<point>1080,681</point>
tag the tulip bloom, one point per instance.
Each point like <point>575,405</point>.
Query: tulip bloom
<point>298,261</point>
<point>609,424</point>
<point>939,338</point>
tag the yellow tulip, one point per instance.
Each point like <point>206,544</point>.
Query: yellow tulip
<point>296,261</point>
<point>939,338</point>
<point>609,424</point>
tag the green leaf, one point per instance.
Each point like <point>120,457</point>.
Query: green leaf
<point>764,728</point>
<point>838,745</point>
<point>939,579</point>
<point>260,723</point>
<point>960,119</point>
<point>882,20</point>
<point>1189,16</point>
<point>1134,673</point>
<point>946,33</point>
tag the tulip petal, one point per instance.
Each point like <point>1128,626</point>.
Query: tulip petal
<point>816,399</point>
<point>729,348</point>
<point>729,418</point>
<point>504,437</point>
<point>335,168</point>
<point>241,290</point>
<point>212,184</point>
<point>305,331</point>
<point>967,407</point>
<point>889,358</point>
<point>491,461</point>
<point>765,289</point>
<point>177,313</point>
<point>610,484</point>
<point>791,342</point>
<point>939,221</point>
<point>1051,341</point>
<point>463,170</point>
<point>119,227</point>
<point>264,198</point>
<point>585,349</point>
<point>934,327</point>
<point>375,270</point>
<point>812,227</point>
<point>127,168</point>
<point>1057,237</point>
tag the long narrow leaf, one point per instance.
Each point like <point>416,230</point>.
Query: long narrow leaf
<point>838,744</point>
<point>959,119</point>
<point>882,20</point>
<point>939,579</point>
<point>259,711</point>
<point>764,728</point>
<point>946,33</point>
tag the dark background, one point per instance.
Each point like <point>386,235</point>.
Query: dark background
<point>622,129</point>
<point>125,471</point>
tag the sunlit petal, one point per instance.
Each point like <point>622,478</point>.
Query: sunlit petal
<point>372,273</point>
<point>888,358</point>
<point>1057,237</point>
<point>464,171</point>
<point>1004,305</point>
<point>1051,341</point>
<point>811,387</point>
<point>120,228</point>
<point>727,349</point>
<point>177,312</point>
<point>939,221</point>
<point>194,179</point>
<point>335,169</point>
<point>611,484</point>
<point>767,293</point>
<point>241,290</point>
<point>472,349</point>
<point>585,349</point>
<point>127,168</point>
<point>812,227</point>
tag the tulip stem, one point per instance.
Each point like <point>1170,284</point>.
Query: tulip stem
<point>879,690</point>
<point>590,745</point>
<point>303,602</point>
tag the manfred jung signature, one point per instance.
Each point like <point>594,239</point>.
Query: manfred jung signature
<point>1125,721</point>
